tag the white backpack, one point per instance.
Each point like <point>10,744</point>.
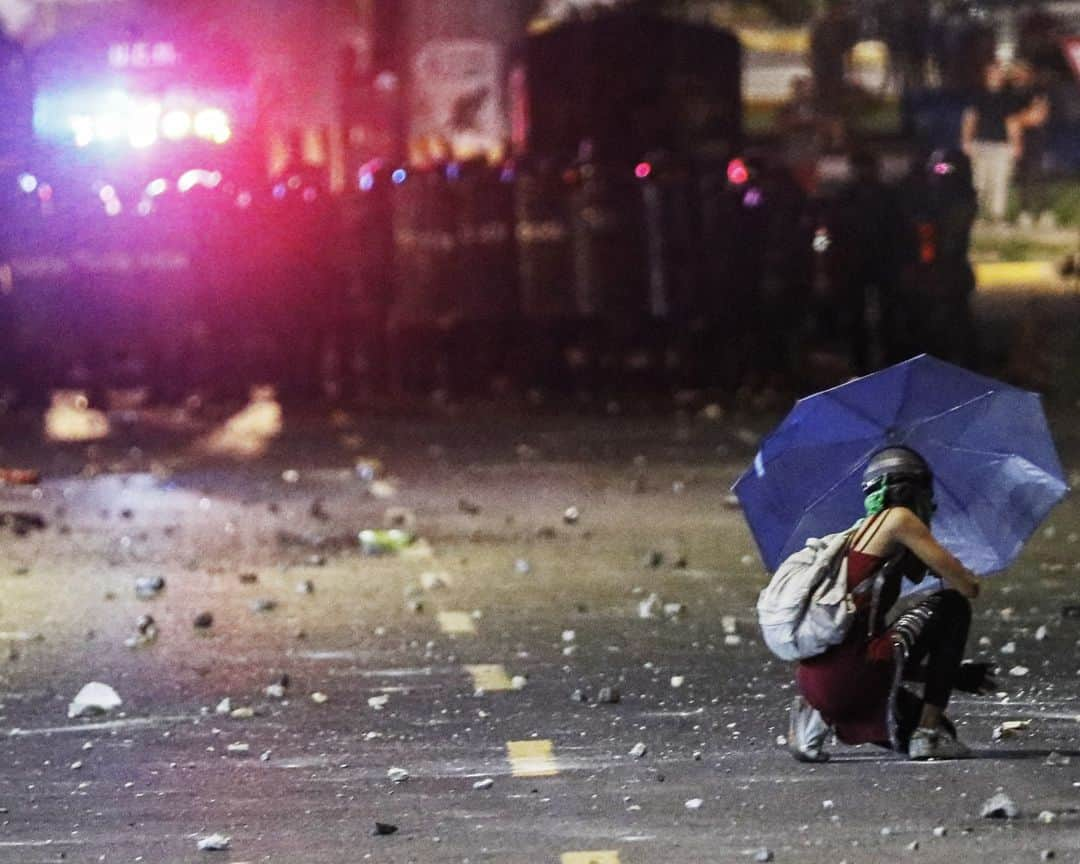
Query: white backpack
<point>806,608</point>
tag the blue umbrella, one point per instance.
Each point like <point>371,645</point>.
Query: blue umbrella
<point>996,472</point>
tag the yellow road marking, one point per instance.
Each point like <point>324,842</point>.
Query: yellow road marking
<point>456,622</point>
<point>489,677</point>
<point>531,758</point>
<point>608,857</point>
<point>1016,274</point>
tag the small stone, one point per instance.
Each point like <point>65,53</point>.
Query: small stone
<point>1047,816</point>
<point>75,766</point>
<point>384,829</point>
<point>522,567</point>
<point>571,515</point>
<point>732,639</point>
<point>264,604</point>
<point>486,783</point>
<point>1008,729</point>
<point>828,804</point>
<point>674,610</point>
<point>1057,759</point>
<point>149,586</point>
<point>1008,648</point>
<point>1019,671</point>
<point>654,558</point>
<point>397,775</point>
<point>999,806</point>
<point>940,831</point>
<point>579,696</point>
<point>913,846</point>
<point>319,698</point>
<point>275,691</point>
<point>763,855</point>
<point>203,620</point>
<point>568,635</point>
<point>729,624</point>
<point>244,713</point>
<point>249,578</point>
<point>693,804</point>
<point>518,682</point>
<point>648,607</point>
<point>377,703</point>
<point>214,843</point>
<point>238,748</point>
<point>1047,855</point>
<point>639,750</point>
<point>677,680</point>
<point>224,706</point>
<point>305,586</point>
<point>1040,633</point>
<point>609,695</point>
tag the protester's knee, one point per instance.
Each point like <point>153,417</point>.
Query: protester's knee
<point>955,605</point>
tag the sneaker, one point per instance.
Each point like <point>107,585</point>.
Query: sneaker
<point>936,744</point>
<point>807,731</point>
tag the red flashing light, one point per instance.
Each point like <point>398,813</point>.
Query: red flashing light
<point>642,170</point>
<point>737,172</point>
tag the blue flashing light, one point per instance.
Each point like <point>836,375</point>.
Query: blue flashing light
<point>399,176</point>
<point>453,171</point>
<point>367,181</point>
<point>279,191</point>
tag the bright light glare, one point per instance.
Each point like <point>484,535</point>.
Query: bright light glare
<point>198,177</point>
<point>176,125</point>
<point>212,124</point>
<point>28,183</point>
<point>642,170</point>
<point>157,187</point>
<point>113,207</point>
<point>143,125</point>
<point>83,127</point>
<point>399,176</point>
<point>737,172</point>
<point>367,181</point>
<point>108,127</point>
<point>107,193</point>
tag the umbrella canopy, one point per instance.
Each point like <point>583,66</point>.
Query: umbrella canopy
<point>996,472</point>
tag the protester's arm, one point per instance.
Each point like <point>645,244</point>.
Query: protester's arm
<point>968,123</point>
<point>1036,113</point>
<point>909,530</point>
<point>1014,128</point>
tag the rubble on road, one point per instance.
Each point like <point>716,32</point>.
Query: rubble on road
<point>214,843</point>
<point>397,775</point>
<point>639,750</point>
<point>384,829</point>
<point>486,783</point>
<point>1008,729</point>
<point>146,632</point>
<point>609,695</point>
<point>147,587</point>
<point>94,699</point>
<point>999,806</point>
<point>377,542</point>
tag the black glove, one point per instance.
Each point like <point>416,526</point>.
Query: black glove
<point>977,678</point>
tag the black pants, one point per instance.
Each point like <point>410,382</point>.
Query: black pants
<point>928,641</point>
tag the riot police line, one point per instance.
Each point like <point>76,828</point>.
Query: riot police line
<point>604,277</point>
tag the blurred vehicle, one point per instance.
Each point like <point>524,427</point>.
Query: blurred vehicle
<point>127,201</point>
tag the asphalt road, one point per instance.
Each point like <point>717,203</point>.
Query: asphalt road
<point>478,660</point>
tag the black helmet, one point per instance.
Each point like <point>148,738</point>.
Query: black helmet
<point>898,464</point>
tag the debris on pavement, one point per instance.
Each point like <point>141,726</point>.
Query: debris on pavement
<point>214,843</point>
<point>224,706</point>
<point>397,775</point>
<point>674,610</point>
<point>609,696</point>
<point>486,783</point>
<point>94,699</point>
<point>238,748</point>
<point>1008,729</point>
<point>1046,817</point>
<point>70,418</point>
<point>639,750</point>
<point>571,515</point>
<point>522,567</point>
<point>1019,671</point>
<point>320,698</point>
<point>377,703</point>
<point>694,804</point>
<point>147,587</point>
<point>763,855</point>
<point>389,541</point>
<point>305,586</point>
<point>999,806</point>
<point>384,829</point>
<point>940,831</point>
<point>264,604</point>
<point>518,682</point>
<point>648,607</point>
<point>146,632</point>
<point>22,522</point>
<point>1056,759</point>
<point>677,681</point>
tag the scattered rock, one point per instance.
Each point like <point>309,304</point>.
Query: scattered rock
<point>693,804</point>
<point>1047,816</point>
<point>486,783</point>
<point>148,586</point>
<point>579,696</point>
<point>245,712</point>
<point>94,699</point>
<point>1047,855</point>
<point>609,696</point>
<point>648,607</point>
<point>763,854</point>
<point>571,515</point>
<point>384,829</point>
<point>654,559</point>
<point>522,567</point>
<point>203,620</point>
<point>239,748</point>
<point>397,775</point>
<point>214,843</point>
<point>677,680</point>
<point>999,806</point>
<point>377,703</point>
<point>290,475</point>
<point>1057,759</point>
<point>674,610</point>
<point>518,682</point>
<point>639,750</point>
<point>264,604</point>
<point>224,706</point>
<point>1008,648</point>
<point>913,846</point>
<point>1008,729</point>
<point>320,698</point>
<point>146,632</point>
<point>1040,633</point>
<point>940,831</point>
<point>305,586</point>
<point>1019,671</point>
<point>249,578</point>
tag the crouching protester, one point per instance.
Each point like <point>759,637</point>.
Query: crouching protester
<point>856,688</point>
